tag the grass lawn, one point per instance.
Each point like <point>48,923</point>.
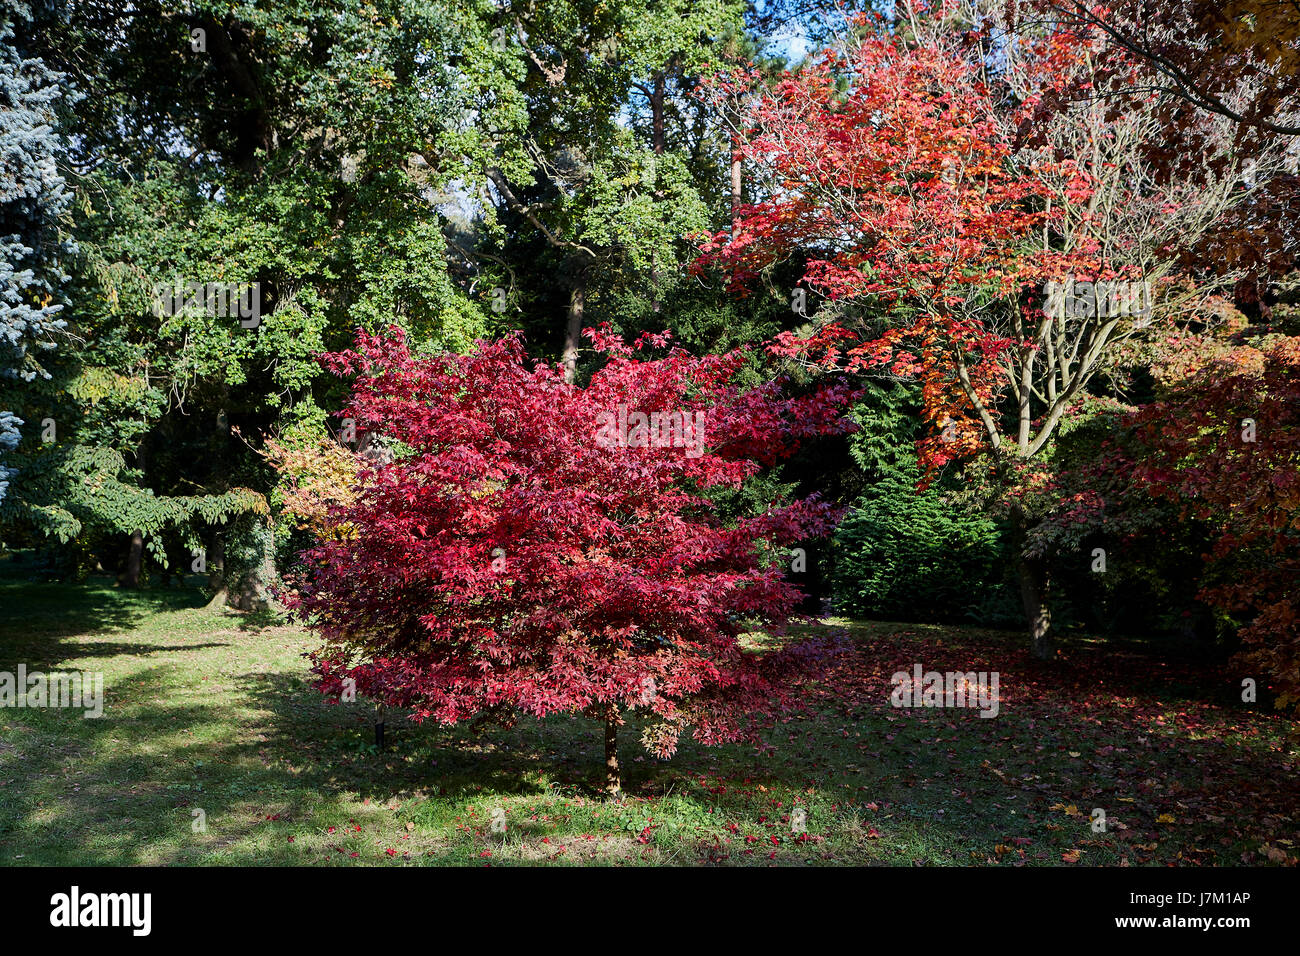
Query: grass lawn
<point>213,711</point>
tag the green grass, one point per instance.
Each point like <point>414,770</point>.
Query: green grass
<point>213,711</point>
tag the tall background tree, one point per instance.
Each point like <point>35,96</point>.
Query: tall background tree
<point>936,177</point>
<point>33,200</point>
<point>221,143</point>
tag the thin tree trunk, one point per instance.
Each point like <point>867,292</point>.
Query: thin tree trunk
<point>217,580</point>
<point>252,590</point>
<point>1035,589</point>
<point>134,560</point>
<point>573,331</point>
<point>130,577</point>
<point>217,571</point>
<point>735,184</point>
<point>659,143</point>
<point>657,114</point>
<point>613,782</point>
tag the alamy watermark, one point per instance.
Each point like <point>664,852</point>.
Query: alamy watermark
<point>627,428</point>
<point>230,300</point>
<point>66,689</point>
<point>75,908</point>
<point>1101,299</point>
<point>923,688</point>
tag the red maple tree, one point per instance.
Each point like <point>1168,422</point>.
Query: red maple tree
<point>534,547</point>
<point>941,204</point>
<point>894,171</point>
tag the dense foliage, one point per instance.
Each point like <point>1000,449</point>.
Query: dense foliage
<point>33,197</point>
<point>539,547</point>
<point>1042,259</point>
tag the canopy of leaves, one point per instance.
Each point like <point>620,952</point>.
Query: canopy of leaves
<point>535,553</point>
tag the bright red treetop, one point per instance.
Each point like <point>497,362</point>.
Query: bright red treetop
<point>537,547</point>
<point>899,187</point>
<point>899,177</point>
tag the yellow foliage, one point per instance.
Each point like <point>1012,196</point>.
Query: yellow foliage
<point>317,477</point>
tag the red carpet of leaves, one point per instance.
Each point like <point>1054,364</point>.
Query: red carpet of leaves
<point>1184,770</point>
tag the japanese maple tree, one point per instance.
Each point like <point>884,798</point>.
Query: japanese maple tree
<point>1226,448</point>
<point>535,547</point>
<point>901,192</point>
<point>936,190</point>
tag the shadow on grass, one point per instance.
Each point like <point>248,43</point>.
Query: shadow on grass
<point>264,757</point>
<point>33,609</point>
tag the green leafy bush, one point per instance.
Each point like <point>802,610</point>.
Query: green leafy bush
<point>908,554</point>
<point>911,555</point>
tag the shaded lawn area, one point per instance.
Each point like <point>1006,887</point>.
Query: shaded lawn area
<point>213,711</point>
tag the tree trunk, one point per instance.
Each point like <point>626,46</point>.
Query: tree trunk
<point>134,559</point>
<point>735,184</point>
<point>657,115</point>
<point>130,576</point>
<point>251,588</point>
<point>613,783</point>
<point>573,331</point>
<point>219,458</point>
<point>228,50</point>
<point>217,570</point>
<point>659,144</point>
<point>245,584</point>
<point>1035,589</point>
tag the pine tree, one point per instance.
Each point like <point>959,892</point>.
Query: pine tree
<point>32,198</point>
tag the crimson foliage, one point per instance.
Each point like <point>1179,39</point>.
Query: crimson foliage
<point>536,547</point>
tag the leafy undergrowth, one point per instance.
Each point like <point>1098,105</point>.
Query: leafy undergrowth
<point>210,718</point>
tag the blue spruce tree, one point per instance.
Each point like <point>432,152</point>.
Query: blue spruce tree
<point>33,196</point>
